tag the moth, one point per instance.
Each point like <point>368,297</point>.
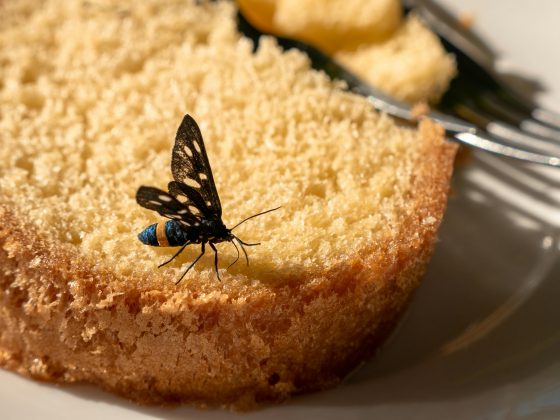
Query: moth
<point>192,203</point>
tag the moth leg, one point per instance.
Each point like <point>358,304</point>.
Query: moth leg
<point>192,264</point>
<point>237,259</point>
<point>246,244</point>
<point>243,249</point>
<point>174,256</point>
<point>215,259</point>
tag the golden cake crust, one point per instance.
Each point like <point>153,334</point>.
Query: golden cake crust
<point>66,318</point>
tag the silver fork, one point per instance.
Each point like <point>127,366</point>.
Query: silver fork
<point>479,110</point>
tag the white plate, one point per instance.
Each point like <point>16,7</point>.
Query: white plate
<point>482,336</point>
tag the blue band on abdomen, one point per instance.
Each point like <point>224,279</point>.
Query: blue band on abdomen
<point>174,233</point>
<point>148,236</point>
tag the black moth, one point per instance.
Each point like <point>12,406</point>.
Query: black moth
<point>192,203</point>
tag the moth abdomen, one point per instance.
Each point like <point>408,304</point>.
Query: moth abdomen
<point>167,233</point>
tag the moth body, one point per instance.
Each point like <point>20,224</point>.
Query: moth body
<point>166,233</point>
<point>171,234</point>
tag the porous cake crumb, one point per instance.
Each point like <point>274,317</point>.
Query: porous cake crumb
<point>91,94</point>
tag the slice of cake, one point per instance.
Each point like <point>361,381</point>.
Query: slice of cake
<point>400,56</point>
<point>91,95</point>
<point>332,25</point>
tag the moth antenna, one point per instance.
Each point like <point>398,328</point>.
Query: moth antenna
<point>254,215</point>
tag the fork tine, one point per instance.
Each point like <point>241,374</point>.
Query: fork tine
<point>492,145</point>
<point>545,116</point>
<point>535,119</point>
<point>477,101</point>
<point>476,80</point>
<point>507,132</point>
<point>529,125</point>
<point>521,138</point>
<point>481,91</point>
<point>493,103</point>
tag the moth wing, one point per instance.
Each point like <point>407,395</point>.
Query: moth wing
<point>191,198</point>
<point>166,205</point>
<point>190,165</point>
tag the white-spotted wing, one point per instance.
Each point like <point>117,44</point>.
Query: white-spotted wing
<point>166,205</point>
<point>191,171</point>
